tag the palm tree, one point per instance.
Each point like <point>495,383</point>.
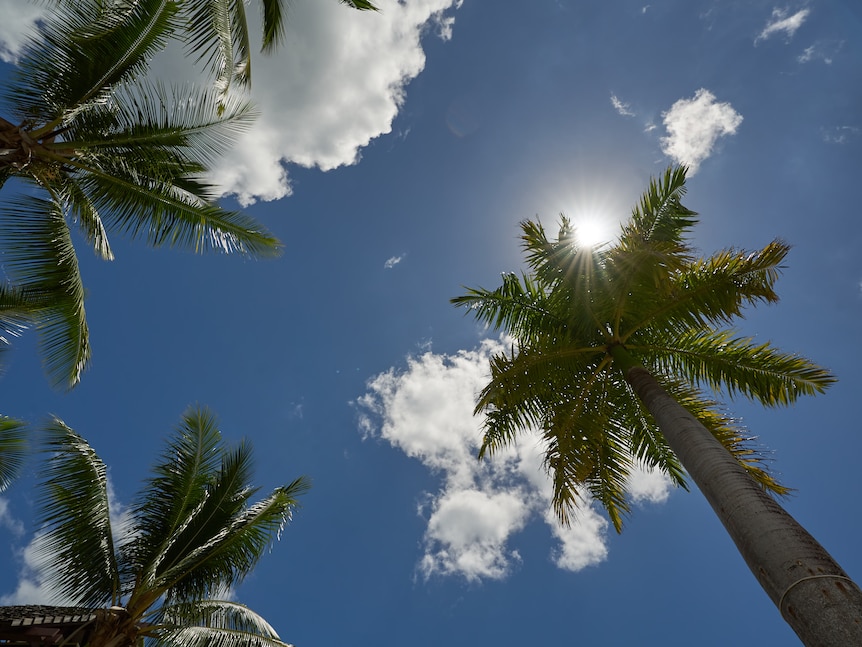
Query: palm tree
<point>613,350</point>
<point>190,535</point>
<point>94,145</point>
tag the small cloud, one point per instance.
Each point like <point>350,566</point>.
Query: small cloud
<point>694,125</point>
<point>8,521</point>
<point>393,261</point>
<point>781,22</point>
<point>821,51</point>
<point>841,134</point>
<point>645,8</point>
<point>623,108</point>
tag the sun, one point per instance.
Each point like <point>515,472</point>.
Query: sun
<point>594,230</point>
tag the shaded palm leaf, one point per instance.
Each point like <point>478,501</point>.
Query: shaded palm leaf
<point>40,258</point>
<point>76,544</point>
<point>13,449</point>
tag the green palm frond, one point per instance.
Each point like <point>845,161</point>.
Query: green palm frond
<point>17,310</point>
<point>143,117</point>
<point>215,614</point>
<point>40,258</point>
<point>84,51</point>
<point>190,461</point>
<point>197,532</point>
<point>76,548</point>
<point>13,449</point>
<point>713,291</point>
<point>738,365</point>
<point>225,552</point>
<point>196,636</point>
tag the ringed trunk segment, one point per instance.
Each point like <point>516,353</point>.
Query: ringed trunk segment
<point>813,593</point>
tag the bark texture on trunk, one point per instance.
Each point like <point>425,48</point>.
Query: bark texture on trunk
<point>813,593</point>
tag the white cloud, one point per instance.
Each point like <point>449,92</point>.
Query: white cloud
<point>426,411</point>
<point>841,134</point>
<point>823,50</point>
<point>393,261</point>
<point>694,125</point>
<point>781,22</point>
<point>336,84</point>
<point>7,520</point>
<point>19,21</point>
<point>623,108</point>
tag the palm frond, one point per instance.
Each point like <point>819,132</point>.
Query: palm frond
<point>739,365</point>
<point>170,213</point>
<point>197,636</point>
<point>216,614</point>
<point>13,449</point>
<point>191,460</point>
<point>17,310</point>
<point>713,291</point>
<point>227,547</point>
<point>660,215</point>
<point>75,546</point>
<point>41,259</point>
<point>85,50</point>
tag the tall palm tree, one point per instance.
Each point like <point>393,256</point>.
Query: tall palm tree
<point>98,147</point>
<point>615,350</point>
<point>191,534</point>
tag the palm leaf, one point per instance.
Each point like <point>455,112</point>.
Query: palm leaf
<point>723,362</point>
<point>40,257</point>
<point>76,548</point>
<point>85,50</point>
<point>13,449</point>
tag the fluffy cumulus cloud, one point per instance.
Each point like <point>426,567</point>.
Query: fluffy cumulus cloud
<point>782,23</point>
<point>695,125</point>
<point>426,411</point>
<point>336,84</point>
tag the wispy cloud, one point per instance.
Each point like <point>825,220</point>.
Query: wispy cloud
<point>780,22</point>
<point>694,125</point>
<point>825,51</point>
<point>392,261</point>
<point>623,108</point>
<point>7,520</point>
<point>426,411</point>
<point>841,134</point>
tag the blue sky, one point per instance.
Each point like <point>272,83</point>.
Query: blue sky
<point>395,155</point>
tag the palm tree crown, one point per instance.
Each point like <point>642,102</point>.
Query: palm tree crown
<point>97,146</point>
<point>191,534</point>
<point>583,316</point>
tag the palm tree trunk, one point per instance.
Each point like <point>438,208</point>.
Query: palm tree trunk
<point>813,593</point>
